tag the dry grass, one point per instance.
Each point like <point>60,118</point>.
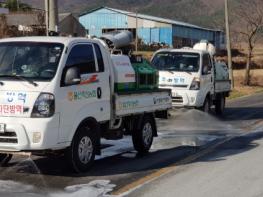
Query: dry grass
<point>245,91</point>
<point>256,77</point>
<point>257,56</point>
<point>256,81</point>
<point>146,54</point>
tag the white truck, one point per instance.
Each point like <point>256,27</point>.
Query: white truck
<point>196,80</point>
<point>57,96</point>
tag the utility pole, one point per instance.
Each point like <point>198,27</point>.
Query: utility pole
<point>229,53</point>
<point>53,17</point>
<point>47,16</point>
<point>17,4</point>
<point>136,34</point>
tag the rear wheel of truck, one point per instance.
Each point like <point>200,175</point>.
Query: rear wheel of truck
<point>143,136</point>
<point>4,159</point>
<point>81,153</point>
<point>220,105</point>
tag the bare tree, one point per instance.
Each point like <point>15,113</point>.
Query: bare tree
<point>249,25</point>
<point>3,26</point>
<point>41,23</point>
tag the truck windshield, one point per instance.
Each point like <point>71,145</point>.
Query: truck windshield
<point>177,61</point>
<point>30,60</point>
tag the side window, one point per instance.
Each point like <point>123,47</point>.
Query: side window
<point>99,58</point>
<point>207,66</point>
<point>82,56</point>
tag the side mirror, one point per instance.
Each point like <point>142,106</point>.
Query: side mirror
<point>72,76</point>
<point>205,70</point>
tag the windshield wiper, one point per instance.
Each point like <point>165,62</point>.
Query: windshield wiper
<point>20,78</point>
<point>170,70</point>
<point>188,72</point>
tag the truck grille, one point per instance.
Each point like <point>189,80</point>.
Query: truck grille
<point>178,99</point>
<point>8,137</point>
<point>180,86</point>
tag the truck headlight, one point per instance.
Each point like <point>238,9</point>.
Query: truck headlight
<point>195,84</point>
<point>44,106</point>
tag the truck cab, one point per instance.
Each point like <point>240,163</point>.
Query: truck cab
<point>37,84</point>
<point>192,75</point>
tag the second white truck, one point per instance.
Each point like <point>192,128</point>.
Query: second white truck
<point>196,80</point>
<point>58,95</point>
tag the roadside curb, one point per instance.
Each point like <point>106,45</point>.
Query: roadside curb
<point>242,97</point>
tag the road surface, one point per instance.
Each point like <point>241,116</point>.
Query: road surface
<point>188,154</point>
<point>232,169</point>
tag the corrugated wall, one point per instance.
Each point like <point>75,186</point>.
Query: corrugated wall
<point>149,31</point>
<point>220,40</point>
<point>103,19</point>
<point>166,35</point>
<point>195,34</point>
<point>145,35</point>
<point>157,35</point>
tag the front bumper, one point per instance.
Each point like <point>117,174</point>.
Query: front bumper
<point>28,134</point>
<point>186,98</point>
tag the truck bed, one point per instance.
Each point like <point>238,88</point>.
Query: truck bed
<point>222,86</point>
<point>140,102</point>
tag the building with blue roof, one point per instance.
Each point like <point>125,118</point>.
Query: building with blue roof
<point>150,29</point>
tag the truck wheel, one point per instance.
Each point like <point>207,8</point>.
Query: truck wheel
<point>220,105</point>
<point>207,105</point>
<point>4,159</point>
<point>81,153</point>
<point>142,138</point>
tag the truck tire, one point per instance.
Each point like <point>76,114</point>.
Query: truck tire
<point>4,159</point>
<point>81,154</point>
<point>207,105</point>
<point>220,105</point>
<point>142,137</point>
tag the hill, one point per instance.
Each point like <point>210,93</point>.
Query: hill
<point>208,13</point>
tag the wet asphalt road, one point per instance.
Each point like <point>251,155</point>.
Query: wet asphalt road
<point>185,134</point>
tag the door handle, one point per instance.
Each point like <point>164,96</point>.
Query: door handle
<point>99,93</point>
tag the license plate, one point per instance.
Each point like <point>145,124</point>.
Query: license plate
<point>2,128</point>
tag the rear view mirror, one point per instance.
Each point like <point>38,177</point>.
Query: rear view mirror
<point>72,76</point>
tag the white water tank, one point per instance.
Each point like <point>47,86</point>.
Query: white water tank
<point>204,45</point>
<point>222,72</point>
<point>118,39</point>
<point>123,70</point>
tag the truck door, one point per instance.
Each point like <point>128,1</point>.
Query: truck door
<point>88,98</point>
<point>206,75</point>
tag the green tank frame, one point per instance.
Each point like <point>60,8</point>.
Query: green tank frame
<point>147,77</point>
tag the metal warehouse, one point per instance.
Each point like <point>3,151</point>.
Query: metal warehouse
<point>150,29</point>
